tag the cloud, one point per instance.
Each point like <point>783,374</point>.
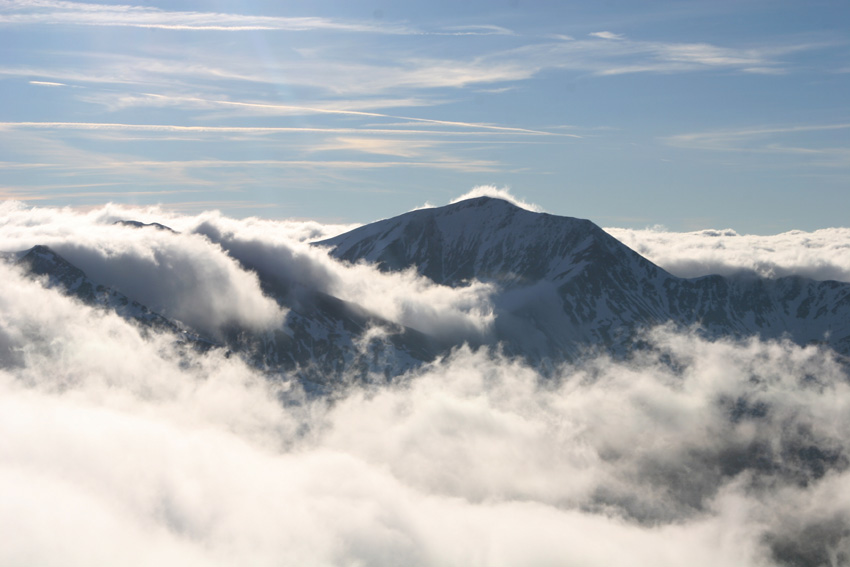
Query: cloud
<point>787,141</point>
<point>719,139</point>
<point>391,147</point>
<point>31,12</point>
<point>476,30</point>
<point>498,193</point>
<point>208,274</point>
<point>181,276</point>
<point>119,448</point>
<point>822,255</point>
<point>619,55</point>
<point>607,35</point>
<point>48,84</point>
<point>266,130</point>
<point>376,78</point>
<point>453,314</point>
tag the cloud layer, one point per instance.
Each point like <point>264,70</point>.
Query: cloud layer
<point>124,447</point>
<point>821,255</point>
<point>119,448</point>
<point>208,273</point>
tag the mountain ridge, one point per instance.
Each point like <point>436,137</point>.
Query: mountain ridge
<point>592,289</point>
<point>562,286</point>
<point>462,241</point>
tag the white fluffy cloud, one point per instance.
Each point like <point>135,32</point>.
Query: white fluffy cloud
<point>206,275</point>
<point>182,276</point>
<point>821,255</point>
<point>498,193</point>
<point>122,447</point>
<point>408,299</point>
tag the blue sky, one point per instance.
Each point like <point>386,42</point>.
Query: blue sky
<point>685,114</point>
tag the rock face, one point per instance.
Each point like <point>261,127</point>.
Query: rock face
<point>566,284</point>
<point>562,286</point>
<point>323,340</point>
<point>64,276</point>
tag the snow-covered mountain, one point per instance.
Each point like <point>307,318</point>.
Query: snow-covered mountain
<point>561,286</point>
<point>60,274</point>
<point>566,285</point>
<point>323,339</point>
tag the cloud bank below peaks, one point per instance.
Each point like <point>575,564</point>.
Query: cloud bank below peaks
<point>458,314</point>
<point>119,448</point>
<point>122,447</point>
<point>181,276</point>
<point>821,255</point>
<point>208,274</point>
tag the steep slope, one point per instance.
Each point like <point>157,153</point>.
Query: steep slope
<point>567,285</point>
<point>563,286</point>
<point>486,239</point>
<point>323,340</point>
<point>60,274</point>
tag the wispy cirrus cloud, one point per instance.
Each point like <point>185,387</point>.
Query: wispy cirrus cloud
<point>51,193</point>
<point>607,53</point>
<point>87,14</point>
<point>476,30</point>
<point>272,129</point>
<point>607,35</point>
<point>48,84</point>
<point>725,139</point>
<point>791,140</point>
<point>379,146</point>
<point>407,76</point>
<point>131,167</point>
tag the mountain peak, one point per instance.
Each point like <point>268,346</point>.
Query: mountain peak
<point>43,260</point>
<point>483,201</point>
<point>483,238</point>
<point>139,224</point>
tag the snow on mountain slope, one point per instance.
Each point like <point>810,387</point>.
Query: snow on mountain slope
<point>486,239</point>
<point>563,286</point>
<point>323,339</point>
<point>567,285</point>
<point>59,273</point>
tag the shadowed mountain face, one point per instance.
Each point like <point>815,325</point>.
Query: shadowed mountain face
<point>486,239</point>
<point>61,274</point>
<point>566,284</point>
<point>323,339</point>
<point>562,286</point>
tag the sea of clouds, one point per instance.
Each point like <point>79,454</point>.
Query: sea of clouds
<point>119,446</point>
<point>821,255</point>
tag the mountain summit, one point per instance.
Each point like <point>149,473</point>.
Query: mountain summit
<point>565,284</point>
<point>560,286</point>
<point>487,239</point>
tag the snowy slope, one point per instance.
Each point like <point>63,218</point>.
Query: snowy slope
<point>566,284</point>
<point>486,239</point>
<point>563,285</point>
<point>61,274</point>
<point>323,340</point>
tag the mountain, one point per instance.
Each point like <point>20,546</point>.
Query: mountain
<point>566,285</point>
<point>60,274</point>
<point>562,286</point>
<point>323,339</point>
